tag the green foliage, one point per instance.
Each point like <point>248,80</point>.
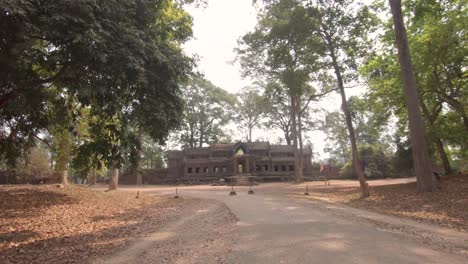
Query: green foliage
<point>337,137</point>
<point>34,167</point>
<point>120,58</point>
<point>436,31</point>
<point>250,109</point>
<point>283,47</point>
<point>154,154</point>
<point>207,109</point>
<point>377,163</point>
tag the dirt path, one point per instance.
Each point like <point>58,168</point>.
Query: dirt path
<point>276,228</point>
<point>202,235</point>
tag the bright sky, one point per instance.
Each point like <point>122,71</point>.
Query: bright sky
<point>217,27</point>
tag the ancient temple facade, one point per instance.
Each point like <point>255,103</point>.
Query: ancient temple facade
<point>256,159</point>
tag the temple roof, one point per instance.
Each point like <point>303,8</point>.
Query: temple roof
<point>197,150</point>
<point>222,146</point>
<point>257,145</point>
<point>281,148</point>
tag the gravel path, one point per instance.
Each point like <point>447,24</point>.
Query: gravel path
<point>203,235</point>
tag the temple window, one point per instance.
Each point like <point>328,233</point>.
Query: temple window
<point>275,168</point>
<point>265,167</point>
<point>283,167</point>
<point>205,170</point>
<point>224,169</point>
<point>215,169</point>
<point>258,168</point>
<point>291,167</point>
<point>189,170</point>
<point>197,170</point>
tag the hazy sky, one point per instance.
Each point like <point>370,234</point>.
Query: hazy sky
<point>217,27</point>
<point>216,30</point>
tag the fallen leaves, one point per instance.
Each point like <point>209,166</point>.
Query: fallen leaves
<point>46,224</point>
<point>447,207</point>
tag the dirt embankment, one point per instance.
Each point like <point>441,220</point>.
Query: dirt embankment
<point>46,224</point>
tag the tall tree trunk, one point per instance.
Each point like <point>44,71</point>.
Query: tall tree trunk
<point>299,136</point>
<point>64,144</point>
<point>139,161</point>
<point>422,163</point>
<point>287,134</point>
<point>297,164</point>
<point>201,136</point>
<point>114,182</point>
<point>349,123</point>
<point>431,118</point>
<point>92,178</point>
<point>443,155</point>
<point>65,177</point>
<point>192,137</point>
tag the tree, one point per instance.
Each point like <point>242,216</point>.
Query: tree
<point>250,109</point>
<point>422,163</point>
<point>337,136</point>
<point>438,53</point>
<point>122,59</point>
<point>207,109</point>
<point>343,30</point>
<point>283,47</point>
<point>277,111</point>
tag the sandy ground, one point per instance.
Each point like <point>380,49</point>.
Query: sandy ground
<point>276,225</point>
<point>203,235</point>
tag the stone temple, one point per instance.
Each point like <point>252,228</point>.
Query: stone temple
<point>260,161</point>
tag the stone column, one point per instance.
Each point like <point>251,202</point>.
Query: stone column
<point>247,165</point>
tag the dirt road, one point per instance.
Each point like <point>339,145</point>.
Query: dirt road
<point>273,228</point>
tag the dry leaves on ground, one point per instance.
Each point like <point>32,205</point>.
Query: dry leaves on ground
<point>45,224</point>
<point>447,207</point>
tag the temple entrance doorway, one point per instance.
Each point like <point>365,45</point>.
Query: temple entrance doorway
<point>241,167</point>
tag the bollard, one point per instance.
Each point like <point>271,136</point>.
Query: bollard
<point>307,190</point>
<point>232,188</point>
<point>176,194</point>
<point>138,194</point>
<point>251,191</point>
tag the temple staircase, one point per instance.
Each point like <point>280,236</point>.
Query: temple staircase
<point>242,180</point>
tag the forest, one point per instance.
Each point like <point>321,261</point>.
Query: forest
<point>89,89</point>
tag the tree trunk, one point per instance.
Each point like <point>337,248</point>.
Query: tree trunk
<point>287,135</point>
<point>92,178</point>
<point>431,118</point>
<point>443,156</point>
<point>65,177</point>
<point>297,164</point>
<point>349,123</point>
<point>139,161</point>
<point>301,145</point>
<point>114,182</point>
<point>422,163</point>
<point>201,136</point>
